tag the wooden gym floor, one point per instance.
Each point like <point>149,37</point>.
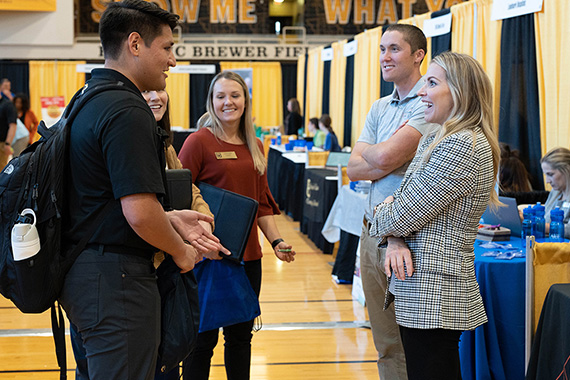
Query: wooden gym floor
<point>312,329</point>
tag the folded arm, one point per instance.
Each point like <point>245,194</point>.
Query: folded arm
<point>375,161</point>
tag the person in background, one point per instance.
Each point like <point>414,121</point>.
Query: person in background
<point>7,130</point>
<point>556,168</point>
<point>318,136</point>
<point>393,128</point>
<point>224,152</point>
<point>293,120</point>
<point>331,141</point>
<point>6,89</point>
<point>513,176</point>
<point>26,115</point>
<point>431,221</point>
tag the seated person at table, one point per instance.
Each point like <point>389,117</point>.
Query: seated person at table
<point>331,141</point>
<point>430,223</point>
<point>318,136</point>
<point>556,168</point>
<point>513,176</point>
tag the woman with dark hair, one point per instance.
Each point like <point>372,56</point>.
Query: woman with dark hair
<point>224,152</point>
<point>25,114</point>
<point>293,120</point>
<point>513,176</point>
<point>331,141</point>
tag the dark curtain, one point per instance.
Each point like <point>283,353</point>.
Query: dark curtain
<point>441,43</point>
<point>348,99</point>
<point>386,88</point>
<point>18,73</point>
<point>289,83</point>
<point>519,124</point>
<point>199,84</point>
<point>305,116</point>
<point>326,86</point>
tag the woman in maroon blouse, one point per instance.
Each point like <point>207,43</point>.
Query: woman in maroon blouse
<point>224,152</point>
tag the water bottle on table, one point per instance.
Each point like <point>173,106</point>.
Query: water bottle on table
<point>527,223</point>
<point>539,221</point>
<point>556,225</point>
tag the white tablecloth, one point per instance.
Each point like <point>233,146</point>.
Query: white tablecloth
<point>346,214</point>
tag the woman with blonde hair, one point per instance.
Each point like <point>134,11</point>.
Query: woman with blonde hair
<point>430,223</point>
<point>556,168</point>
<point>224,152</point>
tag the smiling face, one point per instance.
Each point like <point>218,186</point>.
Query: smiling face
<point>397,60</point>
<point>157,101</point>
<point>229,102</point>
<point>554,177</point>
<point>436,95</point>
<point>153,61</point>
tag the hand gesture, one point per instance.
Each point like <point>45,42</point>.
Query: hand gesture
<point>187,224</point>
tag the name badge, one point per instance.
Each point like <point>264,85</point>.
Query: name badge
<point>226,155</point>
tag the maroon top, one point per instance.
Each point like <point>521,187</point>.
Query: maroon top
<point>238,175</point>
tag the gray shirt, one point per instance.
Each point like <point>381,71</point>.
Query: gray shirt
<point>384,117</point>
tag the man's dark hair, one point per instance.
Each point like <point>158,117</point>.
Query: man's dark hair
<point>4,80</point>
<point>121,19</point>
<point>412,35</point>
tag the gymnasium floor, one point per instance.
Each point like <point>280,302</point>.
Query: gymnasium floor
<point>312,329</point>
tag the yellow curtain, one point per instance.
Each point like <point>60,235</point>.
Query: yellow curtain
<point>53,78</point>
<point>178,88</point>
<point>267,107</point>
<point>301,83</point>
<point>315,71</point>
<point>338,77</point>
<point>552,34</point>
<point>463,17</point>
<point>366,78</point>
<point>488,50</point>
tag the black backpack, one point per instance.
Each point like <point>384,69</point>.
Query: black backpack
<point>37,180</point>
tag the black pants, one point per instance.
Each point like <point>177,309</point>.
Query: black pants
<point>237,352</point>
<point>431,354</point>
<point>112,300</point>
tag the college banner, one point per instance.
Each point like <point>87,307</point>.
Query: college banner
<point>196,16</point>
<point>28,5</point>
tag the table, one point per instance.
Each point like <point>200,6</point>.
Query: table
<point>551,344</point>
<point>495,350</point>
<point>285,177</point>
<point>320,194</point>
<point>344,224</point>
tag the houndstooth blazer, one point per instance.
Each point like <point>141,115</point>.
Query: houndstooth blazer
<point>437,209</point>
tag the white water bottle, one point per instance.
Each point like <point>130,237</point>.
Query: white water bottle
<point>25,238</point>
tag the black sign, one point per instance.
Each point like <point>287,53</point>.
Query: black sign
<point>196,16</point>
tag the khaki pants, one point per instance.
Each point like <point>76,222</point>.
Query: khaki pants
<point>385,330</point>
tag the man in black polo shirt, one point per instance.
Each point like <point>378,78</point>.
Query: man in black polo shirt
<point>110,293</point>
<point>7,130</point>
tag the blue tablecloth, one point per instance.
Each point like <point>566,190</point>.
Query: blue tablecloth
<point>495,350</point>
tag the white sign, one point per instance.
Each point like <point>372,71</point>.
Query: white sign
<point>438,26</point>
<point>511,8</point>
<point>327,54</point>
<point>262,52</point>
<point>350,48</point>
<point>193,69</point>
<point>86,68</point>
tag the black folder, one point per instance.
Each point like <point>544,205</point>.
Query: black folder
<point>233,215</point>
<point>179,188</point>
